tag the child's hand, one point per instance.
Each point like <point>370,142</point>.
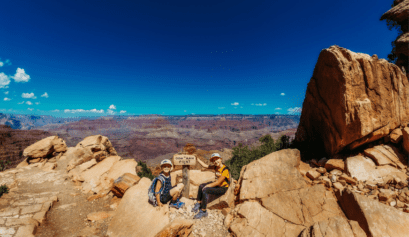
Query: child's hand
<point>159,206</point>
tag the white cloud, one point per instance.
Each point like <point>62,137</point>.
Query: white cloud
<point>8,62</point>
<point>294,110</point>
<point>235,103</point>
<point>28,96</point>
<point>45,95</point>
<point>6,99</point>
<point>277,113</point>
<point>278,109</point>
<point>241,106</point>
<point>4,80</point>
<point>193,113</point>
<point>1,64</point>
<point>112,107</point>
<point>56,110</point>
<point>252,104</point>
<point>221,107</point>
<point>124,111</point>
<point>110,111</point>
<point>261,104</point>
<point>97,111</point>
<point>6,92</point>
<point>282,94</point>
<point>83,111</point>
<point>184,110</point>
<point>21,76</point>
<point>37,103</point>
<point>21,103</point>
<point>31,109</point>
<point>29,103</point>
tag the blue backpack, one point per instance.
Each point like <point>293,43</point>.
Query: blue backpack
<point>151,191</point>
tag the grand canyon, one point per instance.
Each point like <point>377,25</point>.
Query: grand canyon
<point>148,138</point>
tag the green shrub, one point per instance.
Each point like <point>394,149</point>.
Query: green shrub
<point>3,189</point>
<point>4,165</point>
<point>145,172</point>
<point>243,155</point>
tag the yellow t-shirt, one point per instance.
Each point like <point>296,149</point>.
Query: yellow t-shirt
<point>225,174</point>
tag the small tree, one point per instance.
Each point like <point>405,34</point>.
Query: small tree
<point>145,172</point>
<point>392,57</point>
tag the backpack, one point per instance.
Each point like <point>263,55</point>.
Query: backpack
<point>151,191</point>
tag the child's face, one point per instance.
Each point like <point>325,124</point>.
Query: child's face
<point>166,168</point>
<point>217,161</point>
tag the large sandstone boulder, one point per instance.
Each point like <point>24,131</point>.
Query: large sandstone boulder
<point>121,167</point>
<point>94,176</point>
<point>276,200</point>
<point>45,147</point>
<point>59,145</point>
<point>364,169</point>
<point>352,99</point>
<point>273,173</point>
<point>78,156</point>
<point>375,218</point>
<point>135,217</point>
<point>98,143</point>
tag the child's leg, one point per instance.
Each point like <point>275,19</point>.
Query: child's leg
<point>175,192</point>
<point>200,192</point>
<point>207,191</point>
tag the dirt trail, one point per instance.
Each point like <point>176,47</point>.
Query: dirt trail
<point>68,216</point>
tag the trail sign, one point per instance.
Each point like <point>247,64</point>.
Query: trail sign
<point>184,159</point>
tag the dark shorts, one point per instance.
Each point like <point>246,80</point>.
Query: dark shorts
<point>165,197</point>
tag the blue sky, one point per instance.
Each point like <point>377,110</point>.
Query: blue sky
<point>90,58</point>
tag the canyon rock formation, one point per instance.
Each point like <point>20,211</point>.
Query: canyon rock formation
<point>352,99</point>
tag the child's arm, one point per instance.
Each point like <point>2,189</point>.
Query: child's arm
<point>202,163</point>
<point>157,188</point>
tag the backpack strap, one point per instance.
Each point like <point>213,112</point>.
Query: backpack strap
<point>154,186</point>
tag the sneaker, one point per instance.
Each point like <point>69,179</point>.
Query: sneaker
<point>200,215</point>
<point>196,207</point>
<point>180,204</point>
<point>177,204</point>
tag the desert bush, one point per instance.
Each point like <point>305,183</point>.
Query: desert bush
<point>3,189</point>
<point>145,172</point>
<point>4,165</point>
<point>243,155</point>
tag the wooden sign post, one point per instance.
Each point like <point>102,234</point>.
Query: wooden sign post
<point>185,160</point>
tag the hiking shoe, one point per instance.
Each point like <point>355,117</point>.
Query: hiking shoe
<point>200,215</point>
<point>196,207</point>
<point>177,204</point>
<point>180,204</point>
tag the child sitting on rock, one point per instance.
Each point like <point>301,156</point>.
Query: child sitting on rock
<point>161,190</point>
<point>218,187</point>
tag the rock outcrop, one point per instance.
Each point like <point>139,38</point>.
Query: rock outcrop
<point>274,196</point>
<point>352,99</point>
<point>45,147</point>
<point>136,218</point>
<point>375,218</point>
